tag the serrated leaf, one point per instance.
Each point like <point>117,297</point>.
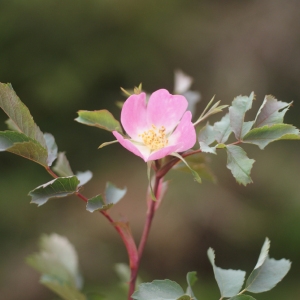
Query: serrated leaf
<point>223,129</point>
<point>267,272</point>
<point>206,136</point>
<point>99,118</point>
<point>239,164</point>
<point>269,114</point>
<point>61,288</point>
<point>20,144</point>
<point>159,290</point>
<point>57,188</point>
<point>229,281</point>
<point>97,203</point>
<point>19,114</point>
<point>11,125</point>
<point>265,135</point>
<point>240,105</point>
<point>242,297</point>
<point>62,165</point>
<point>84,177</point>
<point>51,148</point>
<point>58,259</point>
<point>112,196</point>
<point>191,278</point>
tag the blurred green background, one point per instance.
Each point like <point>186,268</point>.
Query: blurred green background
<point>62,56</point>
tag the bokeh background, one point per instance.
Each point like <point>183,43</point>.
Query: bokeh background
<point>62,56</point>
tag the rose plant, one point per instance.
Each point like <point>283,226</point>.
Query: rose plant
<point>159,129</point>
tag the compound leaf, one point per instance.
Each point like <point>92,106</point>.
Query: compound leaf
<point>239,164</point>
<point>223,129</point>
<point>56,188</point>
<point>229,281</point>
<point>99,118</point>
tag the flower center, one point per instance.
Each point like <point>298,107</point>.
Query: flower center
<point>155,138</point>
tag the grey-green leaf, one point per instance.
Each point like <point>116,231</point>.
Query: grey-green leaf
<point>239,164</point>
<point>99,118</point>
<point>159,290</point>
<point>263,136</point>
<point>267,272</point>
<point>19,114</point>
<point>51,148</point>
<point>223,129</point>
<point>269,114</point>
<point>57,258</point>
<point>57,188</point>
<point>20,144</point>
<point>229,281</point>
<point>62,165</point>
<point>61,288</point>
<point>242,297</point>
<point>191,278</point>
<point>97,203</point>
<point>206,136</point>
<point>113,194</point>
<point>84,177</point>
<point>240,105</point>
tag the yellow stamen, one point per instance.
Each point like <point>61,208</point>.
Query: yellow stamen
<point>154,138</point>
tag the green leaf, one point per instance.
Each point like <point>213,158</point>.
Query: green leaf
<point>191,278</point>
<point>223,129</point>
<point>99,118</point>
<point>58,260</point>
<point>269,114</point>
<point>61,288</point>
<point>19,114</point>
<point>11,125</point>
<point>239,164</point>
<point>229,281</point>
<point>237,111</point>
<point>20,144</point>
<point>57,188</point>
<point>112,196</point>
<point>267,272</point>
<point>62,166</point>
<point>242,297</point>
<point>265,135</point>
<point>159,290</point>
<point>51,148</point>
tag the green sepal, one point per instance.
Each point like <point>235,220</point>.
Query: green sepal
<point>194,173</point>
<point>99,118</point>
<point>56,188</point>
<point>20,144</point>
<point>112,196</point>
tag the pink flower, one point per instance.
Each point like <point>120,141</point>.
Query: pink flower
<point>157,128</point>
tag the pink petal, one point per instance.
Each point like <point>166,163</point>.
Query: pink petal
<point>133,115</point>
<point>162,152</point>
<point>165,109</point>
<point>184,135</point>
<point>139,150</point>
